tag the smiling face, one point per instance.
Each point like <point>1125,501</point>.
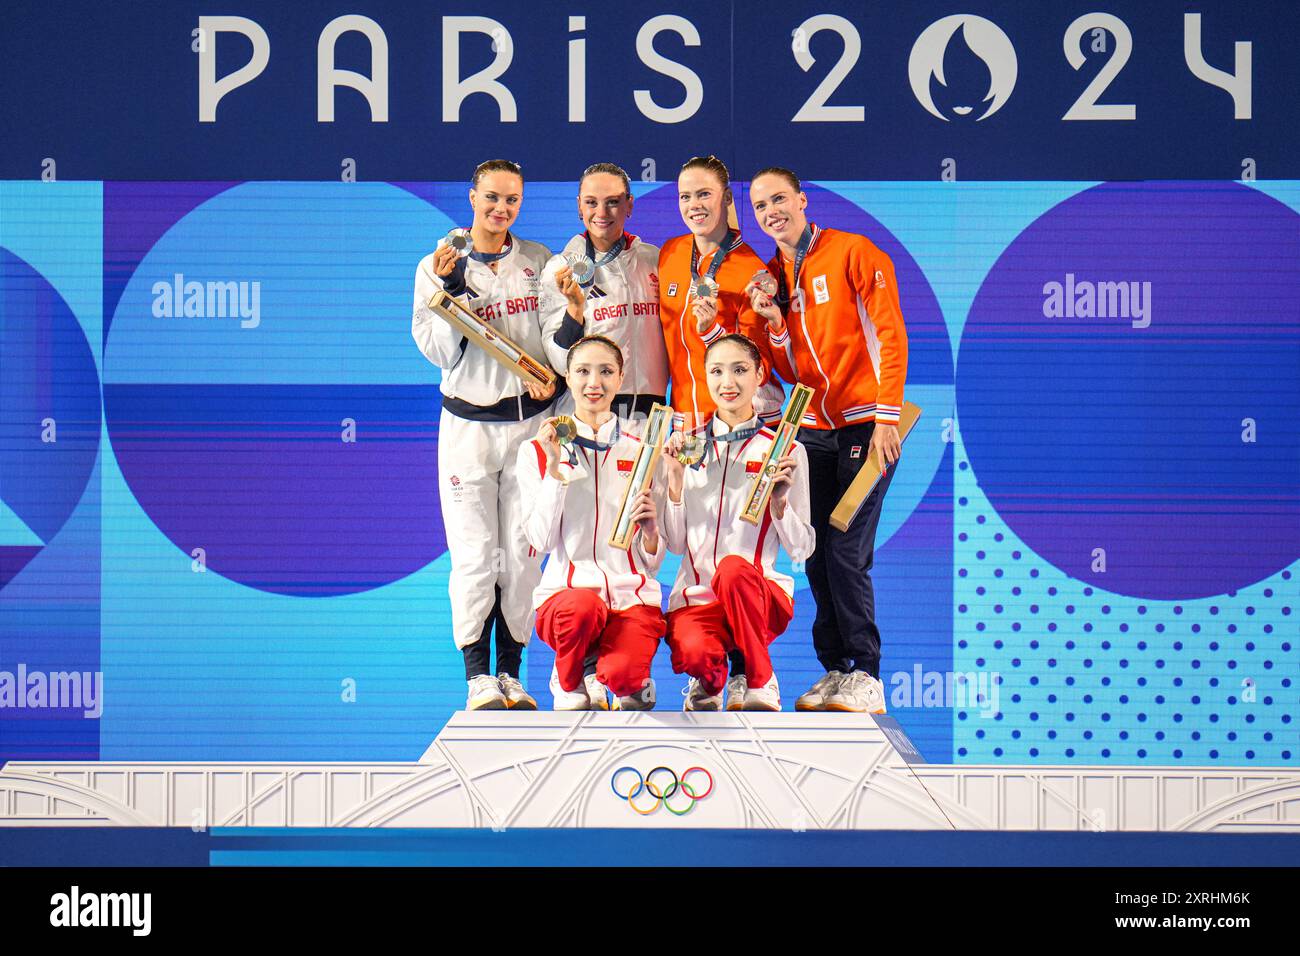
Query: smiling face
<point>733,376</point>
<point>604,205</point>
<point>778,207</point>
<point>594,375</point>
<point>702,199</point>
<point>495,201</point>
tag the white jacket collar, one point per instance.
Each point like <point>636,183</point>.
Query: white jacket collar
<point>722,428</point>
<point>602,434</point>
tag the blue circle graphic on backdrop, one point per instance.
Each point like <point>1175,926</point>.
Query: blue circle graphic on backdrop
<point>264,331</point>
<point>1128,386</point>
<point>49,413</point>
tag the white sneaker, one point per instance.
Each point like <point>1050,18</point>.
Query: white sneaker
<point>567,699</point>
<point>767,697</point>
<point>699,699</point>
<point>644,699</point>
<point>516,697</point>
<point>820,692</point>
<point>485,694</point>
<point>858,693</point>
<point>736,688</point>
<point>597,693</point>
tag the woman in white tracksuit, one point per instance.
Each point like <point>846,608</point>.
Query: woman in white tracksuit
<point>621,299</point>
<point>594,598</point>
<point>487,413</point>
<point>728,595</point>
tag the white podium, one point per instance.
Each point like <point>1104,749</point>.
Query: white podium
<point>784,770</point>
<point>769,771</point>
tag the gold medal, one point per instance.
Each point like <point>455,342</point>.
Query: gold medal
<point>566,429</point>
<point>692,451</point>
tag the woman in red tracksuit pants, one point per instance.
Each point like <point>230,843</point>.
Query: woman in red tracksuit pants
<point>592,596</point>
<point>729,595</point>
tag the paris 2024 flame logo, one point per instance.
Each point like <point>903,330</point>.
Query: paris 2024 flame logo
<point>984,40</point>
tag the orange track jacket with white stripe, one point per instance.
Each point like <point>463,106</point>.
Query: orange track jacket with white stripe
<point>844,331</point>
<point>572,521</point>
<point>686,346</point>
<point>705,525</point>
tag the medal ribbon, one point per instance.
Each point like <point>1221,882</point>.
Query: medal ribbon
<point>610,255</point>
<point>800,250</point>
<point>739,434</point>
<point>592,444</point>
<point>718,257</point>
<point>492,256</point>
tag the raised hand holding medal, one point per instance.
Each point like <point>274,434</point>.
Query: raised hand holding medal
<point>691,450</point>
<point>704,305</point>
<point>551,441</point>
<point>704,288</point>
<point>565,429</point>
<point>762,291</point>
<point>581,267</point>
<point>571,289</point>
<point>452,248</point>
<point>461,241</point>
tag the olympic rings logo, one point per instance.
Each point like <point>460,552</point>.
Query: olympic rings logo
<point>661,795</point>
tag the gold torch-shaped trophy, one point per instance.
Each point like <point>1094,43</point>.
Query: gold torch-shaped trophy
<point>496,344</point>
<point>761,488</point>
<point>643,470</point>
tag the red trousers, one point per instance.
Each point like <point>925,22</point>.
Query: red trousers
<point>575,620</point>
<point>748,615</point>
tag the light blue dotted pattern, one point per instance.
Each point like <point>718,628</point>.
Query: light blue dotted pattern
<point>1092,677</point>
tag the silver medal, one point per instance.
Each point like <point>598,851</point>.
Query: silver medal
<point>460,240</point>
<point>583,269</point>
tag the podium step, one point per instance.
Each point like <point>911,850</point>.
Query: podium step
<point>755,770</point>
<point>771,771</point>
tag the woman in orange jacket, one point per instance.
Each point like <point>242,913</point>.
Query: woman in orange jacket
<point>835,325</point>
<point>702,279</point>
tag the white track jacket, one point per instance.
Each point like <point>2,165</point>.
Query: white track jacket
<point>705,526</point>
<point>508,298</point>
<point>572,522</point>
<point>622,304</point>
